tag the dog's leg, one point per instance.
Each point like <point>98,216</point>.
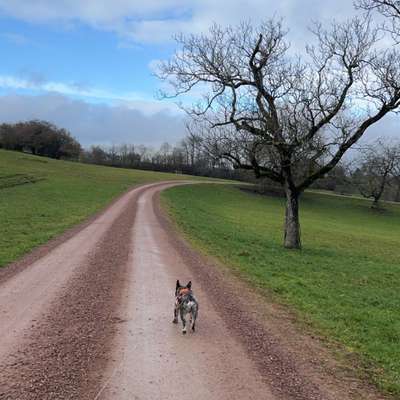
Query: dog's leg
<point>183,319</point>
<point>175,320</point>
<point>193,319</point>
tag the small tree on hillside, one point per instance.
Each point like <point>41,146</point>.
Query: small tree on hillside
<point>377,166</point>
<point>396,180</point>
<point>286,118</point>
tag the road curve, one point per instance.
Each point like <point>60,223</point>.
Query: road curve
<point>90,318</point>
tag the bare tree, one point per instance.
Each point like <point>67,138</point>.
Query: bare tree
<point>113,155</point>
<point>195,142</point>
<point>389,9</point>
<point>143,152</point>
<point>377,166</point>
<point>290,119</point>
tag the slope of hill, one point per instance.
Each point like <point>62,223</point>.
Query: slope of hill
<point>42,197</point>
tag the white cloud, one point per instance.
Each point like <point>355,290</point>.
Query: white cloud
<point>15,38</point>
<point>90,11</point>
<point>130,100</point>
<point>158,20</point>
<point>95,123</point>
<point>104,124</point>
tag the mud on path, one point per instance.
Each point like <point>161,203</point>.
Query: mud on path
<point>91,319</point>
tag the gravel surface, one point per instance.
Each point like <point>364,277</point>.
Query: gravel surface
<point>88,316</point>
<point>152,358</point>
<point>60,352</point>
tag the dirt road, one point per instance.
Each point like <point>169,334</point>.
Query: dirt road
<point>154,359</point>
<point>91,319</point>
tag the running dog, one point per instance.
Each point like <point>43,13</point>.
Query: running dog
<point>185,303</point>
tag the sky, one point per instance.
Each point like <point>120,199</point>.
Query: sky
<point>87,65</point>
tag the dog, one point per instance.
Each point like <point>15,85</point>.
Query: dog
<point>185,303</point>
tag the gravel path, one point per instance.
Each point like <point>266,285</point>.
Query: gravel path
<point>90,318</point>
<point>153,359</point>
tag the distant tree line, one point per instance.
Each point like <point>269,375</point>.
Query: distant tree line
<point>39,138</point>
<point>187,157</point>
<point>43,138</point>
<point>374,172</point>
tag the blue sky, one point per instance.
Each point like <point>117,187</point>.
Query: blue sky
<point>84,68</point>
<point>86,64</point>
<point>79,56</point>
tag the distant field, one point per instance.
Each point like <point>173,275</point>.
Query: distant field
<point>42,197</point>
<point>345,283</point>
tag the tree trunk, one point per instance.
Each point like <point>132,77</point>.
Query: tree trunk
<point>292,223</point>
<point>397,195</point>
<point>377,196</point>
<point>375,203</point>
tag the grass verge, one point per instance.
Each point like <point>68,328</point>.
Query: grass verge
<point>345,281</point>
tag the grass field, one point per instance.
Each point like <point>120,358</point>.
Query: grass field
<point>42,197</point>
<point>344,284</point>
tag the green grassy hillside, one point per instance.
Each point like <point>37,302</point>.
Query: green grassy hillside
<point>345,283</point>
<point>41,197</point>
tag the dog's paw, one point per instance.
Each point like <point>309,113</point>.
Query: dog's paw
<point>175,321</point>
<point>183,332</point>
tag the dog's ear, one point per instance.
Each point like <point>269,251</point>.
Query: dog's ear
<point>178,285</point>
<point>189,285</point>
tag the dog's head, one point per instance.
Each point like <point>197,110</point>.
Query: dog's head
<point>181,290</point>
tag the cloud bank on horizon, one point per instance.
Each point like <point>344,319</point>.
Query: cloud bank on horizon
<point>94,123</point>
<point>86,65</point>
